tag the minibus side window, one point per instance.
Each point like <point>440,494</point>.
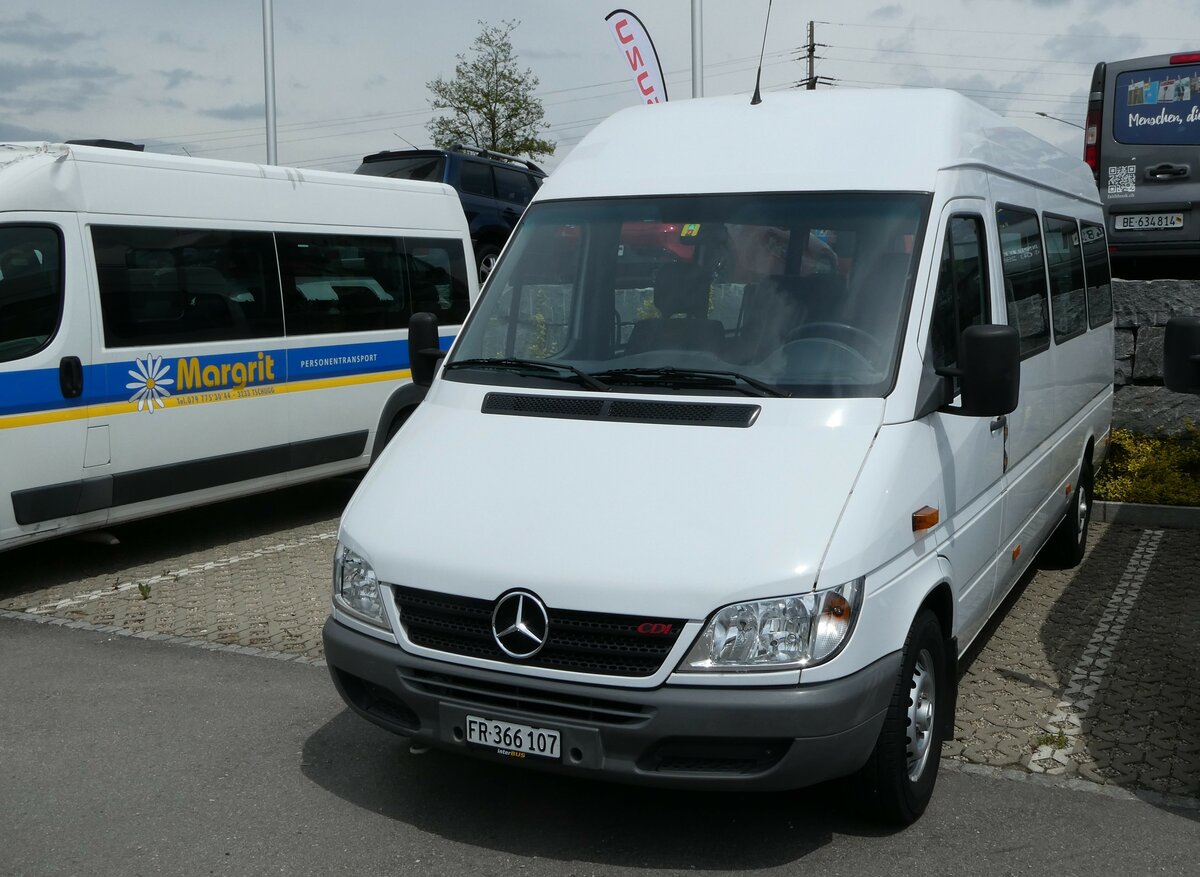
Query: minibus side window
<point>1099,283</point>
<point>437,276</point>
<point>1064,260</point>
<point>181,285</point>
<point>31,289</point>
<point>1024,278</point>
<point>962,298</point>
<point>352,283</point>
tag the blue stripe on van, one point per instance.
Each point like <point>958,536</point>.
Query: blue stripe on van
<point>31,390</point>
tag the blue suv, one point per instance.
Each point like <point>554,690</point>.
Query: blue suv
<point>494,188</point>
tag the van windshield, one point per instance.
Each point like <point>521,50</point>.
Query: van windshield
<point>1158,106</point>
<point>792,294</point>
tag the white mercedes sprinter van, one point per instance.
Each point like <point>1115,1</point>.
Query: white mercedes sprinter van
<point>757,421</point>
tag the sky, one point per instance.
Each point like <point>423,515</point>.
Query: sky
<point>351,76</point>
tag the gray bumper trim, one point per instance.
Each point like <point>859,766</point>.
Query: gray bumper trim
<point>783,737</point>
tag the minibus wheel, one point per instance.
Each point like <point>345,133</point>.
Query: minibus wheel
<point>897,781</point>
<point>1069,540</point>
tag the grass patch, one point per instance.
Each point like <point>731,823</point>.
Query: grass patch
<point>1159,470</point>
<point>1055,741</point>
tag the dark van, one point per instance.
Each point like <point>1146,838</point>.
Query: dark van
<point>1142,140</point>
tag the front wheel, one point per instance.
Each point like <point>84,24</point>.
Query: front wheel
<point>1069,541</point>
<point>897,781</point>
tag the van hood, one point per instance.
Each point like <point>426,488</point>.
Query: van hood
<point>625,518</point>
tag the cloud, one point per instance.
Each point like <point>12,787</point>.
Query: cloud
<point>376,81</point>
<point>169,38</point>
<point>889,12</point>
<point>178,76</point>
<point>34,31</point>
<point>34,88</point>
<point>1093,42</point>
<point>236,112</point>
<point>10,132</point>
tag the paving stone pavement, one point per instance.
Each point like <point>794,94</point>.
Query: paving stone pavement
<point>1091,673</point>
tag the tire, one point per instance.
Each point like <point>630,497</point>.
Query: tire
<point>1068,542</point>
<point>485,259</point>
<point>896,783</point>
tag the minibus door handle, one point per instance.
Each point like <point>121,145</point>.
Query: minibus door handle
<point>999,423</point>
<point>70,377</point>
<point>1167,171</point>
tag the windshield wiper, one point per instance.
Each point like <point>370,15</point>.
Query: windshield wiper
<point>669,376</point>
<point>511,363</point>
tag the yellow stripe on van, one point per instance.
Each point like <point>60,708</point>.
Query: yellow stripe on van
<point>111,409</point>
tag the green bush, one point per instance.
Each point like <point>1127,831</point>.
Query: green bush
<point>1151,469</point>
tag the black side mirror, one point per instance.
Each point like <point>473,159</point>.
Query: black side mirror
<point>423,350</point>
<point>1181,357</point>
<point>989,359</point>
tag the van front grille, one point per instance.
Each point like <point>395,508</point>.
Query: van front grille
<point>527,699</point>
<point>581,642</point>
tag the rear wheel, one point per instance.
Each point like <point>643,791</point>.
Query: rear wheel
<point>1068,543</point>
<point>897,781</point>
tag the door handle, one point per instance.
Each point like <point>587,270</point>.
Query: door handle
<point>70,377</point>
<point>999,423</point>
<point>1166,171</point>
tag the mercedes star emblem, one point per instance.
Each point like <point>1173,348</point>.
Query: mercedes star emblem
<point>520,624</point>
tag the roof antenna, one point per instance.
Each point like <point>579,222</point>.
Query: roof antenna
<point>757,99</point>
<point>405,139</point>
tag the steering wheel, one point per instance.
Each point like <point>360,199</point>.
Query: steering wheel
<point>860,342</point>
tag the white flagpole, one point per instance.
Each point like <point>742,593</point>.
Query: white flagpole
<point>697,50</point>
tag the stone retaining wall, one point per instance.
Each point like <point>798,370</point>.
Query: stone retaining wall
<point>1141,309</point>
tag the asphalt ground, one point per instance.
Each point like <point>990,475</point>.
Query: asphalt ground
<point>1087,675</point>
<point>130,757</point>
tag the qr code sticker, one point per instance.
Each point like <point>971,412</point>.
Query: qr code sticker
<point>1122,179</point>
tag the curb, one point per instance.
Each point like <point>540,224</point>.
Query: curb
<point>1182,517</point>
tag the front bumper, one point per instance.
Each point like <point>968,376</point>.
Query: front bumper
<point>694,737</point>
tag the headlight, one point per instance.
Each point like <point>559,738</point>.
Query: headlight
<point>356,589</point>
<point>777,634</point>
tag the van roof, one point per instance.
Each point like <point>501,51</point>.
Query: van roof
<point>93,179</point>
<point>831,140</point>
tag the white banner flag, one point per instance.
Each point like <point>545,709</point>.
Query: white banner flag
<point>634,42</point>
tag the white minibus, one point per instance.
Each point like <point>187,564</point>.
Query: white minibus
<point>725,513</point>
<point>175,331</point>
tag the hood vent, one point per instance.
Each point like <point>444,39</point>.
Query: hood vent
<point>622,410</point>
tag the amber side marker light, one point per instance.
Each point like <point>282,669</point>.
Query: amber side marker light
<point>1016,553</point>
<point>924,518</point>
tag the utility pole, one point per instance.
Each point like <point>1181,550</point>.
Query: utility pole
<point>810,53</point>
<point>811,82</point>
<point>697,49</point>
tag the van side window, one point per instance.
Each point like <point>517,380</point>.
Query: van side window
<point>1024,278</point>
<point>1064,260</point>
<point>31,289</point>
<point>180,285</point>
<point>437,276</point>
<point>962,298</point>
<point>343,283</point>
<point>1099,283</point>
